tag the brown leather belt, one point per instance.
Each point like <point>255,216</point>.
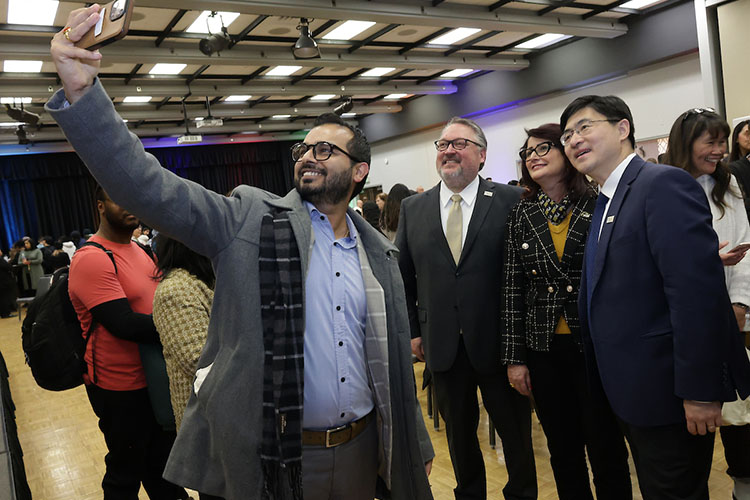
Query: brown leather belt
<point>338,435</point>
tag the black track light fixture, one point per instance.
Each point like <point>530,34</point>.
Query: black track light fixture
<point>305,47</point>
<point>215,42</point>
<point>344,106</point>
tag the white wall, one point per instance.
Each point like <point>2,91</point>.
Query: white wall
<point>656,95</point>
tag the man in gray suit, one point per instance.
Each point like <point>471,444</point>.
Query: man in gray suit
<point>451,240</point>
<point>308,312</point>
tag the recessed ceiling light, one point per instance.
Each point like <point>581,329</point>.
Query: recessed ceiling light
<point>456,73</point>
<point>22,66</point>
<point>322,97</point>
<point>348,30</point>
<point>36,12</point>
<point>137,98</point>
<point>15,100</point>
<point>395,96</point>
<point>454,36</point>
<point>280,117</point>
<point>638,4</point>
<point>237,98</point>
<point>349,115</point>
<point>542,41</point>
<point>283,70</point>
<point>166,69</point>
<point>203,23</point>
<point>377,71</point>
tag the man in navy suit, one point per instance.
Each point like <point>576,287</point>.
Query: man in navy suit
<point>658,328</point>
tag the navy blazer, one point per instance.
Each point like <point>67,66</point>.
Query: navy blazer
<point>660,328</point>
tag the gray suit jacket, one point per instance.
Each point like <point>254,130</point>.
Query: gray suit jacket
<point>216,451</point>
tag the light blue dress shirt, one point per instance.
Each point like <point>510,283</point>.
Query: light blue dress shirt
<point>336,381</point>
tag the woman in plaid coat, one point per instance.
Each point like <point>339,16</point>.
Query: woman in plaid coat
<point>545,244</point>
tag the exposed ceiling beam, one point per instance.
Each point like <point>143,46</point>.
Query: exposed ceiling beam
<point>43,88</point>
<point>170,26</point>
<point>323,27</point>
<point>511,45</point>
<point>147,130</point>
<point>394,76</point>
<point>133,72</point>
<point>453,16</point>
<point>304,75</point>
<point>250,27</point>
<point>351,75</point>
<point>603,8</point>
<point>143,52</point>
<point>471,42</point>
<point>361,43</point>
<point>197,73</point>
<point>558,5</point>
<point>425,39</point>
<point>254,74</point>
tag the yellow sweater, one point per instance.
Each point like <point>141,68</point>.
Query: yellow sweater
<point>559,235</point>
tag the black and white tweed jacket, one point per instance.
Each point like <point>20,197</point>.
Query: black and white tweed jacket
<point>537,286</point>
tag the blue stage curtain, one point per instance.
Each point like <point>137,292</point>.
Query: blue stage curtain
<point>52,194</point>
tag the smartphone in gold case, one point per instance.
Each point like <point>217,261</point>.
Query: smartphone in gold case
<point>113,25</point>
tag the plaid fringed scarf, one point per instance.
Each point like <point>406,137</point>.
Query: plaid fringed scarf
<point>554,212</point>
<point>281,294</point>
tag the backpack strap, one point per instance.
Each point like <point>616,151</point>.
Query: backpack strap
<point>107,251</point>
<point>93,321</point>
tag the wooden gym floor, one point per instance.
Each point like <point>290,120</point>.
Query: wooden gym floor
<point>64,450</point>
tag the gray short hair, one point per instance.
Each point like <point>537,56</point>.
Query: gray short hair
<point>457,120</point>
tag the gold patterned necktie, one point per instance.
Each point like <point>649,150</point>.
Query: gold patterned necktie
<point>454,227</point>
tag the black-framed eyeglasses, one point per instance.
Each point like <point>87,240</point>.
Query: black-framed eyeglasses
<point>540,149</point>
<point>458,144</point>
<point>583,128</point>
<point>321,151</point>
<point>696,111</point>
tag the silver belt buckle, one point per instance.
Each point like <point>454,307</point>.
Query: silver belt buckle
<point>331,431</point>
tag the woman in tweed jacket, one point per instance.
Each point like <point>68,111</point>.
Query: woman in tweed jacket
<point>182,305</point>
<point>545,242</point>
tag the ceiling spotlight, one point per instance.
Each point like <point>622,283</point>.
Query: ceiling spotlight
<point>21,115</point>
<point>306,47</point>
<point>215,42</point>
<point>344,106</point>
<point>21,134</point>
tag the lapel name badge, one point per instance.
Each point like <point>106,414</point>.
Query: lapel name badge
<point>488,193</point>
<point>610,219</point>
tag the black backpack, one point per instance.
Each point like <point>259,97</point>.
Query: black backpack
<point>52,339</point>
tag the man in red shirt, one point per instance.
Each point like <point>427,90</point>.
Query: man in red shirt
<point>119,301</point>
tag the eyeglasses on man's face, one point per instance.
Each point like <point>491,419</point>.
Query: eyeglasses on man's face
<point>458,144</point>
<point>540,149</point>
<point>582,128</point>
<point>321,151</point>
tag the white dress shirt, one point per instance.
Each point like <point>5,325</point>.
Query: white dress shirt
<point>610,185</point>
<point>468,197</point>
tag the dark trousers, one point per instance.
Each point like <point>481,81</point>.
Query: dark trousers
<point>510,413</point>
<point>574,422</point>
<point>736,441</point>
<point>671,463</point>
<point>137,446</point>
